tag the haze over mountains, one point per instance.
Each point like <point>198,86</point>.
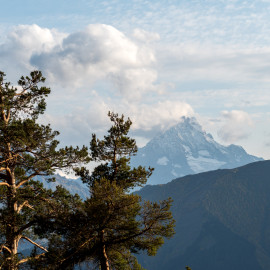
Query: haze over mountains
<point>222,220</point>
<point>187,149</point>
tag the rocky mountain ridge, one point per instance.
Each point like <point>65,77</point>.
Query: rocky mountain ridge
<point>187,149</point>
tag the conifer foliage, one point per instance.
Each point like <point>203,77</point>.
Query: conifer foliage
<point>113,224</point>
<point>107,229</point>
<point>114,152</point>
<point>27,149</point>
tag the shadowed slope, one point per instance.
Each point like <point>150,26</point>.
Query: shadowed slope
<point>222,220</point>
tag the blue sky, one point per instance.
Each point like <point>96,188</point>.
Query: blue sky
<point>151,60</point>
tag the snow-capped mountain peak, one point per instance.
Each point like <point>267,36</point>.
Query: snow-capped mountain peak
<point>187,149</point>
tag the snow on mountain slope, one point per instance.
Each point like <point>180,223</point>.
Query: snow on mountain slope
<point>187,149</point>
<point>72,185</point>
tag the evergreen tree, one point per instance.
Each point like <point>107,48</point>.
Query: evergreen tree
<point>112,225</point>
<point>27,149</point>
<point>114,152</point>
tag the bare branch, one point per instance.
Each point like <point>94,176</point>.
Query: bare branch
<point>6,248</point>
<point>21,93</point>
<point>4,184</point>
<point>27,179</point>
<point>31,258</point>
<point>24,204</point>
<point>24,89</point>
<point>78,249</point>
<point>13,157</point>
<point>34,243</point>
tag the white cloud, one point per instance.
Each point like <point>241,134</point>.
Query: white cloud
<point>159,116</point>
<point>100,53</point>
<point>76,123</point>
<point>91,59</point>
<point>237,125</point>
<point>145,36</point>
<point>24,41</point>
<point>80,122</point>
<point>215,53</point>
<point>204,62</point>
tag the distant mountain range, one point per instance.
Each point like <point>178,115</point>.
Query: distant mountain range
<point>72,185</point>
<point>187,149</point>
<point>222,220</point>
<point>181,150</point>
<point>222,216</point>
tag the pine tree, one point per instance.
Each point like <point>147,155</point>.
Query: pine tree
<point>27,149</point>
<point>114,152</point>
<point>113,224</point>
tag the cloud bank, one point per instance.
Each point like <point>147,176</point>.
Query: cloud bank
<point>82,65</point>
<point>100,52</point>
<point>101,68</point>
<point>22,43</point>
<point>237,126</point>
<point>80,122</point>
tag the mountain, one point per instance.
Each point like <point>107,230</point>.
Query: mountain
<point>72,185</point>
<point>222,220</point>
<point>187,149</point>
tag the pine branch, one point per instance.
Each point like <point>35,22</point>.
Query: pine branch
<point>6,248</point>
<point>23,91</point>
<point>78,249</point>
<point>31,258</point>
<point>34,243</point>
<point>27,179</point>
<point>24,204</point>
<point>4,184</point>
<point>4,161</point>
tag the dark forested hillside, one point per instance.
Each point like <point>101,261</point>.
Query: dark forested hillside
<point>222,220</point>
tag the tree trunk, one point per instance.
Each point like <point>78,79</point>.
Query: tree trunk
<point>11,259</point>
<point>104,261</point>
<point>12,239</point>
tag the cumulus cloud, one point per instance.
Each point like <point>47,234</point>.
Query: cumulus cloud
<point>237,126</point>
<point>100,52</point>
<point>24,41</point>
<point>90,59</point>
<point>83,58</point>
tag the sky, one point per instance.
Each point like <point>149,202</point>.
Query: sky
<point>153,61</point>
